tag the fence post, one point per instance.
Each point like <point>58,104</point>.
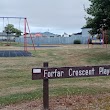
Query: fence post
<point>45,90</point>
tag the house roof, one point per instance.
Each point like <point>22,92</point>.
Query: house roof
<point>79,33</point>
<point>38,35</point>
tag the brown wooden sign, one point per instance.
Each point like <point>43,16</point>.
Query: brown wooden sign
<point>47,73</point>
<point>70,72</point>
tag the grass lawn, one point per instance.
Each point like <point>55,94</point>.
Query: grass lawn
<point>17,86</point>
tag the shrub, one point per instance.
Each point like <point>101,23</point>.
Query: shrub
<point>77,42</point>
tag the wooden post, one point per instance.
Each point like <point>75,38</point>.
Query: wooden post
<point>45,90</point>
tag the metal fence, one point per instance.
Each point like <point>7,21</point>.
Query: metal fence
<point>53,40</point>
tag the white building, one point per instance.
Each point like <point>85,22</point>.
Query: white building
<point>85,35</point>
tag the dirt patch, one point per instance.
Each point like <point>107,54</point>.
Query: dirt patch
<point>74,102</point>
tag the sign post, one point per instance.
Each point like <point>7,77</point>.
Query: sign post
<point>45,90</point>
<point>47,73</point>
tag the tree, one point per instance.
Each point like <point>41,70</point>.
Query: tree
<point>17,32</point>
<point>99,12</point>
<point>9,29</point>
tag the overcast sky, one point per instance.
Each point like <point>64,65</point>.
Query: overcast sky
<point>56,16</point>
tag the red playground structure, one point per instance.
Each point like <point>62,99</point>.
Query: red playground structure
<point>26,29</point>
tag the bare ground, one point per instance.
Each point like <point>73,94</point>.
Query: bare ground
<point>74,102</point>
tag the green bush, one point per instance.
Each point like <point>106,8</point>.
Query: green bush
<point>77,42</point>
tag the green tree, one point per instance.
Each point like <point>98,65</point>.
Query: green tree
<point>9,29</point>
<point>17,32</point>
<point>99,12</point>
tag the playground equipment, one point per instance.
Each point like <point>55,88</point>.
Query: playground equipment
<point>101,39</point>
<point>26,29</point>
<point>37,35</point>
<point>98,39</point>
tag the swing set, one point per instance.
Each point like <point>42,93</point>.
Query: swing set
<point>26,29</point>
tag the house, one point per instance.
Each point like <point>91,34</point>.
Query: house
<point>4,36</point>
<point>85,35</point>
<point>79,33</point>
<point>38,35</point>
<point>85,32</point>
<point>49,34</point>
<point>65,35</point>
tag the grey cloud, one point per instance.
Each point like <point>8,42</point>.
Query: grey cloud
<point>65,14</point>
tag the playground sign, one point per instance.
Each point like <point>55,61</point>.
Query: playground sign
<point>70,72</point>
<point>47,73</point>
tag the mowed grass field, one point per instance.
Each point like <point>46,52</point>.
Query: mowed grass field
<point>17,86</point>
